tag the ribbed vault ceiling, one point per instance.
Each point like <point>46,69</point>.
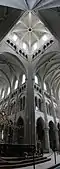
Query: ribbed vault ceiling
<point>31,4</point>
<point>10,70</point>
<point>29,33</point>
<point>49,67</point>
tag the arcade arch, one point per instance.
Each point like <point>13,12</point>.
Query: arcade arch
<point>52,136</point>
<point>40,130</point>
<point>20,130</point>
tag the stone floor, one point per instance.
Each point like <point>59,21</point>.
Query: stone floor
<point>48,164</point>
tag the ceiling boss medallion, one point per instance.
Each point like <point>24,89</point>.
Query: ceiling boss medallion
<point>29,32</point>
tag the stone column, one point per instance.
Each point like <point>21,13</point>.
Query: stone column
<point>16,110</point>
<point>47,142</point>
<point>16,104</point>
<point>9,111</point>
<point>30,112</point>
<point>9,101</point>
<point>54,116</point>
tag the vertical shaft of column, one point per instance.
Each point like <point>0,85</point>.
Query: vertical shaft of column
<point>9,109</point>
<point>54,116</point>
<point>16,104</point>
<point>47,142</point>
<point>16,110</point>
<point>9,100</point>
<point>30,113</point>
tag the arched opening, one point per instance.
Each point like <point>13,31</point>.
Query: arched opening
<point>52,136</point>
<point>7,134</point>
<point>20,131</point>
<point>58,126</point>
<point>36,103</point>
<point>23,78</point>
<point>45,87</point>
<point>1,125</point>
<point>23,102</point>
<point>39,104</point>
<point>40,131</point>
<point>36,79</point>
<point>10,131</point>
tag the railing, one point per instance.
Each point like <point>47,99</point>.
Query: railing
<point>56,166</point>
